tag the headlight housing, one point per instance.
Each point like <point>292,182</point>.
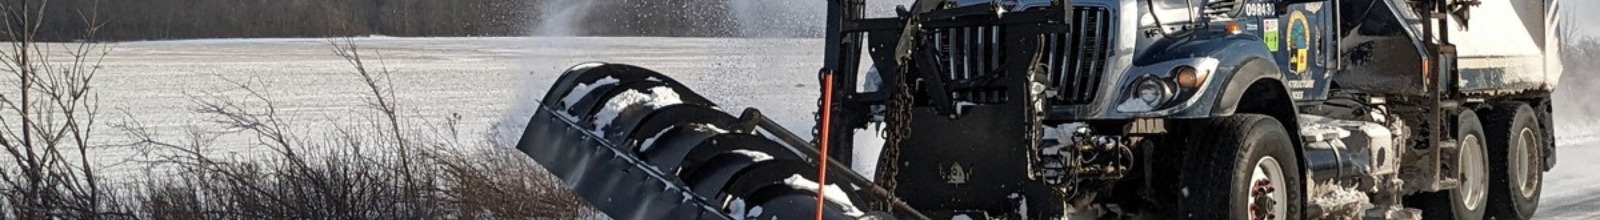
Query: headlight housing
<point>1148,94</point>
<point>1166,87</point>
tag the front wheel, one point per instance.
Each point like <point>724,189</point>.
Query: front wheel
<point>1240,167</point>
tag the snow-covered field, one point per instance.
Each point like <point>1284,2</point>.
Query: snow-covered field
<point>490,80</point>
<point>477,79</point>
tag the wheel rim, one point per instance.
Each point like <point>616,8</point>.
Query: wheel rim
<point>1525,160</point>
<point>1474,181</point>
<point>1265,200</point>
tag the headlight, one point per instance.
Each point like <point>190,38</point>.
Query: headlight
<point>1147,94</point>
<point>1162,87</point>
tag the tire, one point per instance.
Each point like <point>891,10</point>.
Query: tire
<point>1516,170</point>
<point>1220,150</point>
<point>1454,203</point>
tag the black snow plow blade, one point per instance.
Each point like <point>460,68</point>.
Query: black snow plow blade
<point>639,145</point>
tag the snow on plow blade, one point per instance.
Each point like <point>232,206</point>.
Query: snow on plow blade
<point>639,145</point>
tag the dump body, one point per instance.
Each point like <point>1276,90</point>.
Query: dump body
<point>1507,47</point>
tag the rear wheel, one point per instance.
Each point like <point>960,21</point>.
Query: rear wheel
<point>1469,199</point>
<point>1240,167</point>
<point>1516,143</point>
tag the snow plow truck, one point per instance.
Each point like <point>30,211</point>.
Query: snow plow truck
<point>1095,109</point>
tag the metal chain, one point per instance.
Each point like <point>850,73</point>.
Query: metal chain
<point>897,132</point>
<point>816,116</point>
<point>898,129</point>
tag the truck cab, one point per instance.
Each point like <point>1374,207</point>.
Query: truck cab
<point>1381,92</point>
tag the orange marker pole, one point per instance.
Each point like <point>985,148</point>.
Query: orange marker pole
<point>827,122</point>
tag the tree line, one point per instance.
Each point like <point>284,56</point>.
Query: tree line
<point>119,20</point>
<point>126,20</point>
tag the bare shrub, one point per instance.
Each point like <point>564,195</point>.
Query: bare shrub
<point>500,183</point>
<point>47,112</point>
<point>388,168</point>
<point>1574,105</point>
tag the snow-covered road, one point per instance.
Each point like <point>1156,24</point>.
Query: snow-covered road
<point>489,80</point>
<point>1572,189</point>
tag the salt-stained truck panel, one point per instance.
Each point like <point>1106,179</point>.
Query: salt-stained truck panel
<point>1508,46</point>
<point>1505,47</point>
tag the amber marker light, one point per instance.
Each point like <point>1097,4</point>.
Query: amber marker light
<point>1187,77</point>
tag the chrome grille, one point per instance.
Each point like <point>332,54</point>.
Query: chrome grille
<point>1076,60</point>
<point>971,52</point>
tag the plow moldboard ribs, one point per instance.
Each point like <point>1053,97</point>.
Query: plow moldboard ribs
<point>638,145</point>
<point>617,184</point>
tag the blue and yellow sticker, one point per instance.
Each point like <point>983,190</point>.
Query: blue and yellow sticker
<point>1299,37</point>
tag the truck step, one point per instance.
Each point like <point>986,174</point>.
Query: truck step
<point>1447,179</point>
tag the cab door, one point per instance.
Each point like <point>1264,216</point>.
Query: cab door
<point>1300,38</point>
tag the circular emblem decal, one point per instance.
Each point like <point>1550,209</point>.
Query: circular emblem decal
<point>1299,42</point>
